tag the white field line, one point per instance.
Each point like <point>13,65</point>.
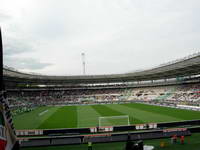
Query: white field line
<point>77,117</point>
<point>42,113</point>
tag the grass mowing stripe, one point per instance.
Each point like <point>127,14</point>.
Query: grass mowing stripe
<point>64,117</point>
<point>106,111</point>
<point>31,120</point>
<point>132,117</point>
<point>173,112</point>
<point>103,110</point>
<point>87,116</point>
<point>142,115</point>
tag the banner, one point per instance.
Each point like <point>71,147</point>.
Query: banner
<point>7,132</point>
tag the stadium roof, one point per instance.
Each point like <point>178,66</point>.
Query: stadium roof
<point>185,67</point>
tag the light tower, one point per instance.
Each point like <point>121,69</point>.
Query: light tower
<point>83,62</point>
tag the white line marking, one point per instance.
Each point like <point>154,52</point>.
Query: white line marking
<point>42,113</point>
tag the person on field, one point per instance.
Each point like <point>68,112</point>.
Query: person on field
<point>129,143</point>
<point>174,138</point>
<point>89,145</point>
<point>182,138</point>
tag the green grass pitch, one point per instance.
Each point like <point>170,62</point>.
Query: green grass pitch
<point>51,117</point>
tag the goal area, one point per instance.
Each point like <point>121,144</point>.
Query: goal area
<point>114,121</point>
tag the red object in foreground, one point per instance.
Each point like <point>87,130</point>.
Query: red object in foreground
<point>2,144</point>
<point>182,139</point>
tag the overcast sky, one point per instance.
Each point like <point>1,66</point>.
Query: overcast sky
<point>117,36</point>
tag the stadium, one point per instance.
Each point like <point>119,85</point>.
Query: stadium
<point>93,75</point>
<point>67,110</point>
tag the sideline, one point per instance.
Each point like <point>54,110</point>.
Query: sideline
<point>42,113</point>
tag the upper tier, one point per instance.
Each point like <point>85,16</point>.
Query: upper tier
<point>184,67</point>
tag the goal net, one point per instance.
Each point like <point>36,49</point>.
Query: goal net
<point>114,121</point>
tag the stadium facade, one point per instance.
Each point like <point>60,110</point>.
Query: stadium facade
<point>186,68</point>
<point>170,85</point>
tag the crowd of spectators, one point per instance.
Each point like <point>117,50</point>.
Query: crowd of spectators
<point>180,94</point>
<point>60,97</point>
<point>27,99</point>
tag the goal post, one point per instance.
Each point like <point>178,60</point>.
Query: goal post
<point>114,121</point>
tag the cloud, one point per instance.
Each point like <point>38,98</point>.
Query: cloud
<point>116,36</point>
<point>4,17</point>
<point>25,63</point>
<point>14,46</point>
